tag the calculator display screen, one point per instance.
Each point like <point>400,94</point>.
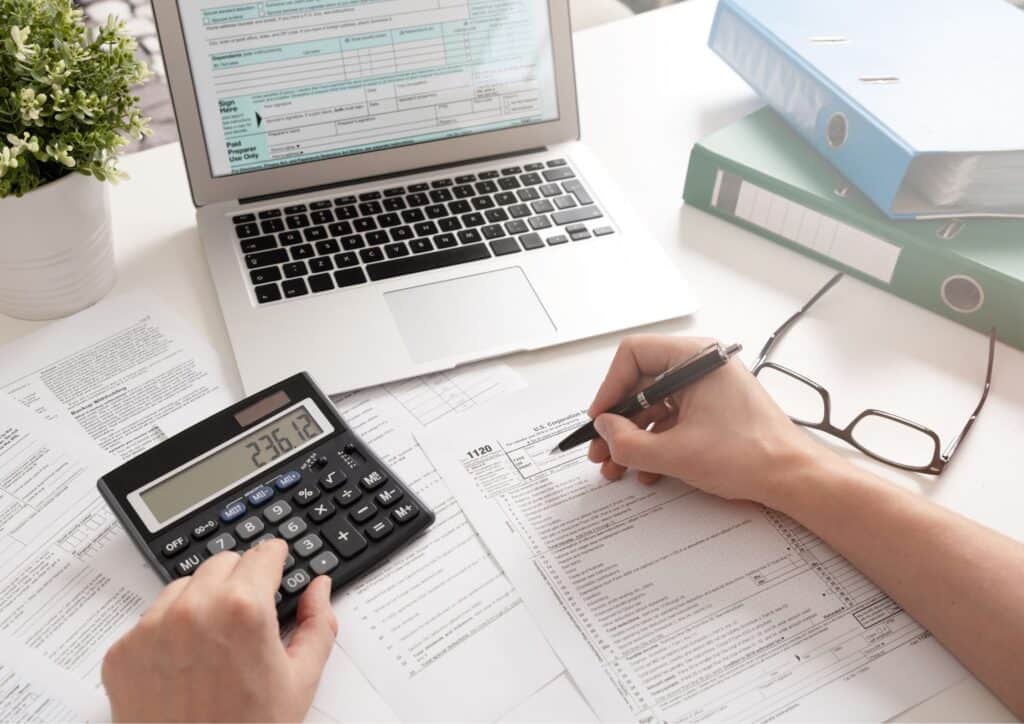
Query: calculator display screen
<point>232,463</point>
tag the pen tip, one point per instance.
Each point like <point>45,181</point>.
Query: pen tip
<point>555,450</point>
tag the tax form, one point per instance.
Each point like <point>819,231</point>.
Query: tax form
<point>671,605</point>
<point>442,611</point>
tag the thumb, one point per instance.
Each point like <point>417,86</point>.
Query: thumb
<point>630,446</point>
<point>317,626</point>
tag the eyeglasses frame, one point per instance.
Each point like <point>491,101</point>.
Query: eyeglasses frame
<point>940,458</point>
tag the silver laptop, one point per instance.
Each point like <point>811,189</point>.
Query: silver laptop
<point>387,188</point>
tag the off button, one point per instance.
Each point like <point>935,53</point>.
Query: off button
<point>175,546</point>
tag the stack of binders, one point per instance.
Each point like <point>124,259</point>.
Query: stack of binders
<point>893,147</point>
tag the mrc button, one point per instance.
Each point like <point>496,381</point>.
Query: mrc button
<point>232,511</point>
<point>174,546</point>
<point>374,479</point>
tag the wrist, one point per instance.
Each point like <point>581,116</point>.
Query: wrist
<point>803,470</point>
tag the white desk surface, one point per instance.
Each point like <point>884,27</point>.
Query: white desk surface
<point>649,88</point>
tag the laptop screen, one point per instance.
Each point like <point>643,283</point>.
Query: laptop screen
<point>282,82</point>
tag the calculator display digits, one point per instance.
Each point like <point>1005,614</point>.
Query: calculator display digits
<point>281,464</point>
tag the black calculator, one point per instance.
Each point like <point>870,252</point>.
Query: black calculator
<point>280,464</point>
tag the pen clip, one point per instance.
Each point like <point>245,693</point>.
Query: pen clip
<point>714,347</point>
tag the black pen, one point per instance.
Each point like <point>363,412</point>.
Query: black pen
<point>667,383</point>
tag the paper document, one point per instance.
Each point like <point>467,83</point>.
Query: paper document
<point>124,372</point>
<point>668,604</point>
<point>439,630</point>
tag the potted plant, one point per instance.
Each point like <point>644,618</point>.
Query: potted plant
<point>66,109</point>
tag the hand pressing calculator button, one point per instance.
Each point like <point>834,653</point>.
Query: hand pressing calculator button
<point>280,464</point>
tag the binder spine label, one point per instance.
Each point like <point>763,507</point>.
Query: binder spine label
<point>797,224</point>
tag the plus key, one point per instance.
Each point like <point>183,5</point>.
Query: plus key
<point>343,538</point>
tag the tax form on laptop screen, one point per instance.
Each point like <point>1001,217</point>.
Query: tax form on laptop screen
<point>283,82</point>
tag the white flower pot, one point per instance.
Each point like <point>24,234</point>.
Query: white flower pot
<point>56,249</point>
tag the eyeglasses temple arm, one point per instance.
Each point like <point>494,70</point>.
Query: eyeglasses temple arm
<point>951,449</point>
<point>763,354</point>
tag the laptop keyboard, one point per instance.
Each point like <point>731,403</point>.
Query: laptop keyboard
<point>301,249</point>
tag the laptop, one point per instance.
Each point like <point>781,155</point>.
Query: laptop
<point>388,188</point>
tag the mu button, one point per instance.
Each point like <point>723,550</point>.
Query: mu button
<point>343,538</point>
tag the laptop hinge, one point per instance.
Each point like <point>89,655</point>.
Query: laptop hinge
<point>384,177</point>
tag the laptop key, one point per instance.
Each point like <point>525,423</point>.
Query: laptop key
<point>496,215</point>
<point>579,235</point>
<point>396,204</point>
<point>349,277</point>
<point>483,202</point>
<point>377,237</point>
<point>421,246</point>
<point>297,222</point>
<point>315,233</point>
<point>505,198</point>
<point>511,171</point>
<point>558,174</point>
<point>295,269</point>
<point>416,188</point>
<point>493,231</point>
<point>565,202</point>
<point>328,246</point>
<point>509,182</point>
<point>440,195</point>
<point>527,194</point>
<point>531,179</point>
<point>580,213</point>
<point>445,241</point>
<point>389,219</point>
<point>574,187</point>
<point>271,226</point>
<point>486,187</point>
<point>316,205</point>
<point>418,199</point>
<point>321,283</point>
<point>294,288</point>
<point>266,258</point>
<point>603,231</point>
<point>517,226</point>
<point>348,243</point>
<point>394,191</point>
<point>246,231</point>
<point>531,241</point>
<point>303,251</point>
<point>449,223</point>
<point>289,237</point>
<point>471,220</point>
<point>369,196</point>
<point>470,236</point>
<point>465,179</point>
<point>321,264</point>
<point>322,217</point>
<point>364,223</point>
<point>460,207</point>
<point>463,192</point>
<point>556,162</point>
<point>425,228</point>
<point>396,250</point>
<point>266,274</point>
<point>345,260</point>
<point>370,208</point>
<point>508,245</point>
<point>540,222</point>
<point>533,166</point>
<point>344,200</point>
<point>340,228</point>
<point>425,262</point>
<point>267,293</point>
<point>346,212</point>
<point>295,209</point>
<point>436,211</point>
<point>483,175</point>
<point>260,243</point>
<point>270,214</point>
<point>402,233</point>
<point>558,239</point>
<point>543,206</point>
<point>519,211</point>
<point>441,183</point>
<point>411,216</point>
<point>371,255</point>
<point>550,190</point>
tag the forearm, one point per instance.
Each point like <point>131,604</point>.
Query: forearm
<point>959,579</point>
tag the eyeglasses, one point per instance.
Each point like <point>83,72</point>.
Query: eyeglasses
<point>881,435</point>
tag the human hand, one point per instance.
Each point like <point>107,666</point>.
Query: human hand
<point>724,434</point>
<point>209,648</point>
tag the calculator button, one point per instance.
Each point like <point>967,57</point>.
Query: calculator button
<point>306,494</point>
<point>380,529</point>
<point>404,513</point>
<point>289,562</point>
<point>174,546</point>
<point>188,565</point>
<point>364,512</point>
<point>260,496</point>
<point>374,480</point>
<point>249,528</point>
<point>223,542</point>
<point>348,495</point>
<point>202,530</point>
<point>324,563</point>
<point>389,495</point>
<point>320,462</point>
<point>277,511</point>
<point>292,528</point>
<point>292,477</point>
<point>233,511</point>
<point>322,511</point>
<point>308,545</point>
<point>332,479</point>
<point>295,581</point>
<point>344,538</point>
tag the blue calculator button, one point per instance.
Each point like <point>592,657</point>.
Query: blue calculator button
<point>292,477</point>
<point>260,496</point>
<point>233,511</point>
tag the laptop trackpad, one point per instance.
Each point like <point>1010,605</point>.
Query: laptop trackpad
<point>473,314</point>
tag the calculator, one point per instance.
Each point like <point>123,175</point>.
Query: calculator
<point>280,464</point>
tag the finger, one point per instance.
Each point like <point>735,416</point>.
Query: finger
<point>648,478</point>
<point>167,596</point>
<point>631,446</point>
<point>654,415</point>
<point>638,360</point>
<point>611,470</point>
<point>315,631</point>
<point>214,571</point>
<point>598,451</point>
<point>261,567</point>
